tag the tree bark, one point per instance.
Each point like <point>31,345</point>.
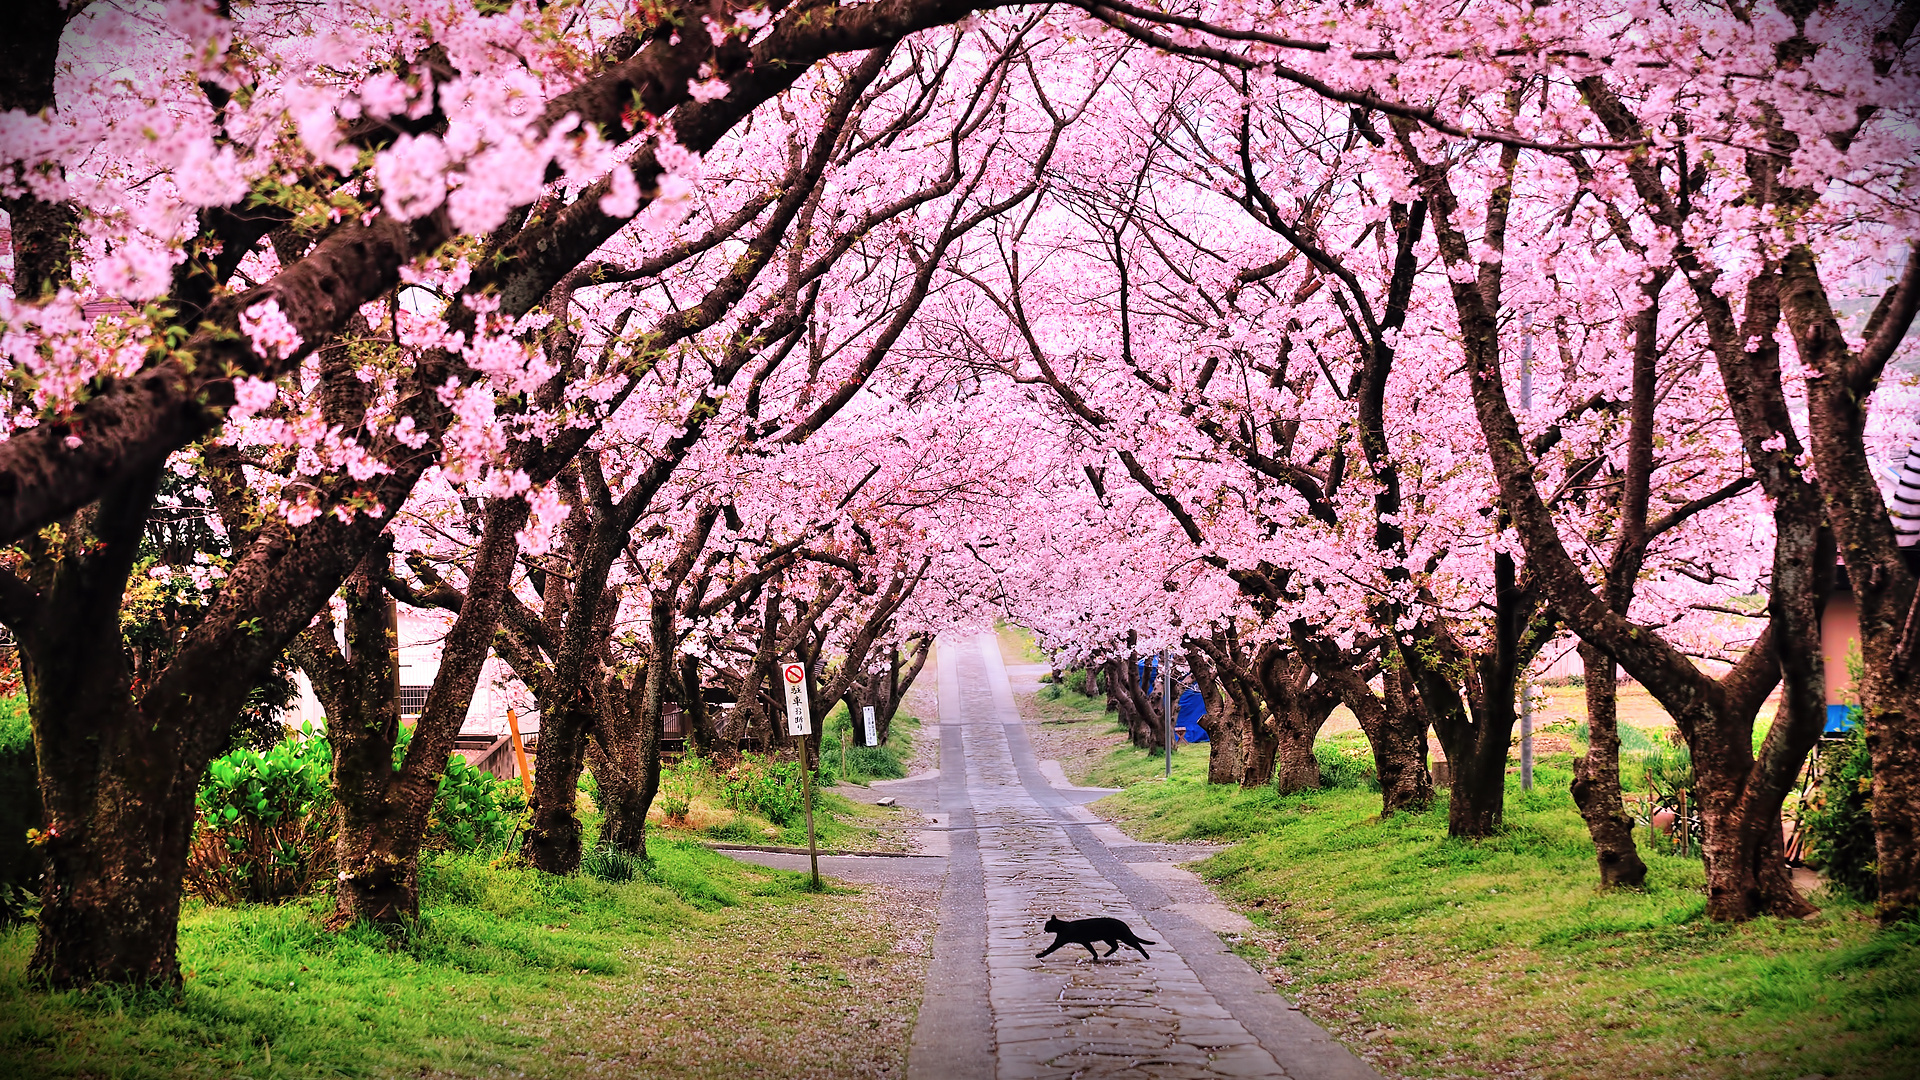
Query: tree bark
<point>553,836</point>
<point>118,788</point>
<point>1225,719</point>
<point>1400,745</point>
<point>1298,705</point>
<point>630,750</point>
<point>379,877</point>
<point>1596,778</point>
<point>1126,695</point>
<point>1882,580</point>
<point>1395,724</point>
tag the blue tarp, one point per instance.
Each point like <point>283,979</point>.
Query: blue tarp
<point>1840,719</point>
<point>1187,716</point>
<point>1147,670</point>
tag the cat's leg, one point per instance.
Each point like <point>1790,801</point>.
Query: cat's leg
<point>1091,951</point>
<point>1057,942</point>
<point>1136,944</point>
<point>1112,947</point>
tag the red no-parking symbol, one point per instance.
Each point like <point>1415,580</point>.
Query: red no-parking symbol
<point>799,716</point>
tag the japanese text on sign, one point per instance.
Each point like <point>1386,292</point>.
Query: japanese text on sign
<point>799,717</point>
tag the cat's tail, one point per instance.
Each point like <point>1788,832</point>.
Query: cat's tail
<point>1144,941</point>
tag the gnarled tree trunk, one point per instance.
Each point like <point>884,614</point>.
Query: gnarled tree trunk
<point>629,760</point>
<point>1596,778</point>
<point>1225,720</point>
<point>1298,705</point>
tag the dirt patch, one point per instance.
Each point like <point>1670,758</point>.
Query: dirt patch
<point>922,702</point>
<point>836,1000</point>
<point>1077,743</point>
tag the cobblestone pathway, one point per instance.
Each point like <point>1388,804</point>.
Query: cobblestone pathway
<point>1192,1010</point>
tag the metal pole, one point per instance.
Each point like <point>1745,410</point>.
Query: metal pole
<point>1166,706</point>
<point>1526,699</point>
<point>1526,738</point>
<point>806,791</point>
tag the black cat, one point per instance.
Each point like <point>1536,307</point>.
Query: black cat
<point>1087,931</point>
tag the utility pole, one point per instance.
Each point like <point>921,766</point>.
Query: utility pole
<point>1526,699</point>
<point>1166,706</point>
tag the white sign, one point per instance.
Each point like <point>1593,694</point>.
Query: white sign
<point>799,717</point>
<point>873,739</point>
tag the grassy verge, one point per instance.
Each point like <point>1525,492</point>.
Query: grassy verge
<point>509,972</point>
<point>1017,644</point>
<point>840,823</point>
<point>1438,957</point>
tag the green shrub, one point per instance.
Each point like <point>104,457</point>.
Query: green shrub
<point>764,786</point>
<point>1632,739</point>
<point>1668,770</point>
<point>19,811</point>
<point>1346,765</point>
<point>1839,820</point>
<point>265,823</point>
<point>474,810</point>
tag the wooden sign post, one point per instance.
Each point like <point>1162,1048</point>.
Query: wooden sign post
<point>800,723</point>
<point>520,753</point>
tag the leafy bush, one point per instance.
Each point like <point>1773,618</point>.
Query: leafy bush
<point>19,811</point>
<point>1668,770</point>
<point>265,829</point>
<point>764,786</point>
<point>1346,765</point>
<point>680,781</point>
<point>474,810</point>
<point>1839,820</point>
<point>1632,739</point>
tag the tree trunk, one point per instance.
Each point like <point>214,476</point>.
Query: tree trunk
<point>1395,724</point>
<point>1224,721</point>
<point>630,755</point>
<point>120,813</point>
<point>117,783</point>
<point>1296,768</point>
<point>1893,741</point>
<point>552,842</point>
<point>384,808</point>
<point>1126,696</point>
<point>1298,705</point>
<point>1596,779</point>
<point>379,857</point>
<point>1259,750</point>
<point>1478,800</point>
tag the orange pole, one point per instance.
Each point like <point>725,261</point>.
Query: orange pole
<point>520,752</point>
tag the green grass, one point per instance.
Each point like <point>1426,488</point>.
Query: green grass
<point>1480,957</point>
<point>1057,702</point>
<point>508,971</point>
<point>865,764</point>
<point>1017,644</point>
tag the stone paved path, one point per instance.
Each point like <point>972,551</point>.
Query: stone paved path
<point>1021,849</point>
